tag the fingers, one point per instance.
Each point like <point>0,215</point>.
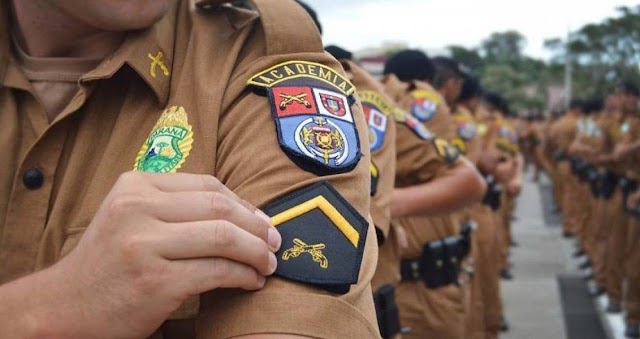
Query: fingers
<point>215,239</point>
<point>185,182</point>
<point>206,206</point>
<point>210,273</point>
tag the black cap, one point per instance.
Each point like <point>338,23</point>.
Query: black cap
<point>628,87</point>
<point>496,100</point>
<point>410,65</point>
<point>339,52</point>
<point>576,104</point>
<point>312,13</point>
<point>470,88</point>
<point>593,105</point>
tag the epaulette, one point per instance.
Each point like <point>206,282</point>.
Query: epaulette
<point>285,23</point>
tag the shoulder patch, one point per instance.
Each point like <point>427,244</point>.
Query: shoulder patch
<point>466,127</point>
<point>323,238</point>
<point>311,107</point>
<point>420,130</point>
<point>446,151</point>
<point>425,104</point>
<point>460,144</point>
<point>376,110</point>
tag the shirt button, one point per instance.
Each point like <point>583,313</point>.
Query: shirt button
<point>33,178</point>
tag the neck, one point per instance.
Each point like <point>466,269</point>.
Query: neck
<point>44,30</point>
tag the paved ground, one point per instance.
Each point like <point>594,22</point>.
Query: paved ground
<point>533,300</point>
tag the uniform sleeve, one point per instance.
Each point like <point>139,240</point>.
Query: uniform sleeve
<point>384,164</point>
<point>251,162</point>
<point>417,159</point>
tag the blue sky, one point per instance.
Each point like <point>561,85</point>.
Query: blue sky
<point>357,24</point>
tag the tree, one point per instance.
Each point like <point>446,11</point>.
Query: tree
<point>603,53</point>
<point>503,46</point>
<point>469,57</point>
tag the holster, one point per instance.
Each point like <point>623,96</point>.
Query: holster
<point>439,264</point>
<point>608,184</point>
<point>387,311</point>
<point>494,193</point>
<point>595,184</point>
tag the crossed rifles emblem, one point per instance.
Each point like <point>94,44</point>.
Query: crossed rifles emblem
<point>315,251</point>
<point>297,98</point>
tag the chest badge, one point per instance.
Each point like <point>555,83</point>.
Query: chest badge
<point>168,144</point>
<point>311,107</point>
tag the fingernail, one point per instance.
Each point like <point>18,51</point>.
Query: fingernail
<point>261,214</point>
<point>273,263</point>
<point>262,281</point>
<point>273,239</point>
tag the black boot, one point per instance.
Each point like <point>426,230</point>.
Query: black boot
<point>595,290</point>
<point>586,264</point>
<point>506,274</point>
<point>613,308</point>
<point>567,234</point>
<point>632,330</point>
<point>504,325</point>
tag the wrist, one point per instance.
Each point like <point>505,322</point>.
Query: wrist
<point>47,310</point>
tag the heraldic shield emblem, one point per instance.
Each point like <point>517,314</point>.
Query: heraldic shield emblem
<point>425,104</point>
<point>311,107</point>
<point>376,112</point>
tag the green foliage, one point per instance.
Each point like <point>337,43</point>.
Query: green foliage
<point>602,55</point>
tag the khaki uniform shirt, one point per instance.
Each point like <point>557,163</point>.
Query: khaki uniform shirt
<point>418,162</point>
<point>383,156</point>
<point>466,139</point>
<point>630,133</point>
<point>193,66</point>
<point>563,132</point>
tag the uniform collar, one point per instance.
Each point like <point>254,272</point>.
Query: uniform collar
<point>140,50</point>
<point>149,53</point>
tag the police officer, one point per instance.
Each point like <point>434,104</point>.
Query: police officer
<point>430,180</point>
<point>232,99</point>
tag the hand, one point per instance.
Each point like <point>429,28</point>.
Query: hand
<point>633,200</point>
<point>621,152</point>
<point>155,241</point>
<point>487,162</point>
<point>401,237</point>
<point>504,172</point>
<point>514,187</point>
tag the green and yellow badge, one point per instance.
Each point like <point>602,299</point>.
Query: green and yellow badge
<point>168,145</point>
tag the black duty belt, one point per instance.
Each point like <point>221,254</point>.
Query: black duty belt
<point>440,262</point>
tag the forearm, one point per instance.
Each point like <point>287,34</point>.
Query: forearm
<point>22,312</point>
<point>458,189</point>
<point>519,168</point>
<point>34,307</point>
